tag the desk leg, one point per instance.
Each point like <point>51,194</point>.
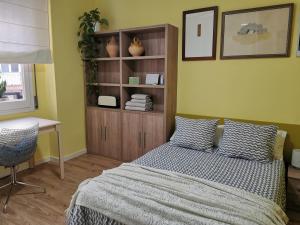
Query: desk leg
<point>61,155</point>
<point>31,162</point>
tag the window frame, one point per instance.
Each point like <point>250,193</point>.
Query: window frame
<point>27,104</point>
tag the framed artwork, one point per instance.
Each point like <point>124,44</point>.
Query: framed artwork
<point>298,43</point>
<point>257,33</point>
<point>199,34</point>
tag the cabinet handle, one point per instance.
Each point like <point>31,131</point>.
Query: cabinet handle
<point>144,140</point>
<point>101,133</point>
<point>140,139</point>
<point>105,133</point>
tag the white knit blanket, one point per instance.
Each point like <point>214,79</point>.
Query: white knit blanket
<point>138,195</point>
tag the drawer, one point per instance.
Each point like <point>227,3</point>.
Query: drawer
<point>293,194</point>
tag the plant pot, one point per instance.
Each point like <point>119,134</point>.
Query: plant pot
<point>97,27</point>
<point>112,47</point>
<point>136,48</point>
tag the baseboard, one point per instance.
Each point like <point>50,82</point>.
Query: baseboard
<point>50,159</point>
<point>55,159</point>
<point>24,166</point>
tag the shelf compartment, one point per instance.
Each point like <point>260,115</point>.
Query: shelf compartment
<point>101,41</point>
<point>152,39</point>
<point>93,92</point>
<point>157,96</point>
<point>105,72</point>
<point>108,72</point>
<point>143,86</point>
<point>140,68</point>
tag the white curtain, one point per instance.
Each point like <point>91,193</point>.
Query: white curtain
<point>24,32</point>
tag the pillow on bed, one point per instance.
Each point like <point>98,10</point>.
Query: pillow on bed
<point>194,134</point>
<point>248,141</point>
<point>279,145</point>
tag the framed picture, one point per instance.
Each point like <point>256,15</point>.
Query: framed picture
<point>199,34</point>
<point>257,33</point>
<point>298,46</point>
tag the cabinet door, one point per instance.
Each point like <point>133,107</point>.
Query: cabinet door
<point>153,131</point>
<point>94,130</point>
<point>131,136</point>
<point>112,135</point>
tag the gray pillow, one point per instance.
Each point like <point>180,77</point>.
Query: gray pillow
<point>248,141</point>
<point>194,134</point>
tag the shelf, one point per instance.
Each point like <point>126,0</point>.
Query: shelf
<point>143,86</point>
<point>144,112</point>
<point>103,59</point>
<point>144,57</point>
<point>105,109</point>
<point>106,33</point>
<point>104,84</point>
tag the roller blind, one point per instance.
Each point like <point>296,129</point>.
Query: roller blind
<point>24,32</point>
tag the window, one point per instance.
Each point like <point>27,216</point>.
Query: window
<point>16,92</point>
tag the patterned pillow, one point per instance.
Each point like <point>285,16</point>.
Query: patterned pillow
<point>194,134</point>
<point>248,141</point>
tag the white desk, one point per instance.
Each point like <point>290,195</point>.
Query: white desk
<point>45,126</point>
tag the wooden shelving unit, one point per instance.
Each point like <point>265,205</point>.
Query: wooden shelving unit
<point>119,133</point>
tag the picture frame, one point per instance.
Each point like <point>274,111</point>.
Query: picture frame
<point>199,34</point>
<point>257,32</point>
<point>298,43</point>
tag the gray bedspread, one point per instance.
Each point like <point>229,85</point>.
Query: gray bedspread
<point>264,179</point>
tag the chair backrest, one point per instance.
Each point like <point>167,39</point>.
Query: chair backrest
<point>17,145</point>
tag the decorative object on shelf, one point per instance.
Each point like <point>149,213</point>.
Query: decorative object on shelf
<point>161,79</point>
<point>2,88</point>
<point>139,102</point>
<point>257,32</point>
<point>152,78</point>
<point>112,47</point>
<point>296,158</point>
<point>108,101</point>
<point>134,80</point>
<point>87,27</point>
<point>199,34</point>
<point>136,48</point>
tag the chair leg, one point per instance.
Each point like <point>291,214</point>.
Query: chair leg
<point>7,198</point>
<point>5,185</point>
<point>13,182</point>
<point>31,185</point>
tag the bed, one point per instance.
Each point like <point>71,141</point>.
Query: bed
<point>248,184</point>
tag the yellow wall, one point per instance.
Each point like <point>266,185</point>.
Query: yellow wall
<point>68,71</point>
<point>252,89</point>
<point>60,85</point>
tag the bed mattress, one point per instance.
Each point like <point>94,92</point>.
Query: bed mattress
<point>264,179</point>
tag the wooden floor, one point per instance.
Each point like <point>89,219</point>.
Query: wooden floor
<point>49,208</point>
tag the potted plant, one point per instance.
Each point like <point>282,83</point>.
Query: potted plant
<point>2,88</point>
<point>89,22</point>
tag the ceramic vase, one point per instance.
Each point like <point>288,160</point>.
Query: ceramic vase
<point>112,47</point>
<point>136,48</point>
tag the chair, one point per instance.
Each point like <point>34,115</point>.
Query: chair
<point>17,146</point>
